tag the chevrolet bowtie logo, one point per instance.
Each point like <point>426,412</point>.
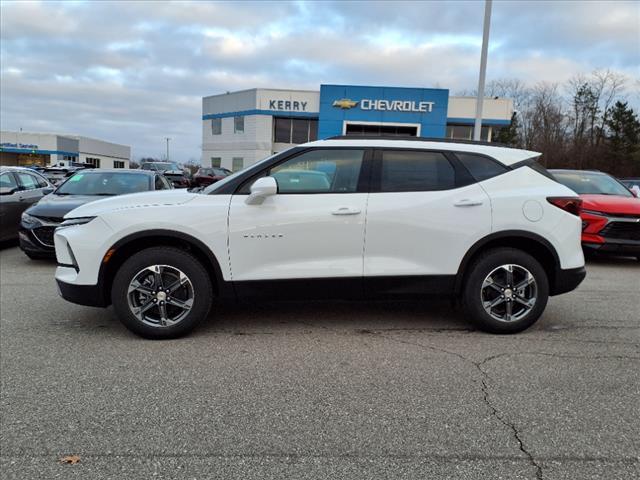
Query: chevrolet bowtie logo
<point>344,103</point>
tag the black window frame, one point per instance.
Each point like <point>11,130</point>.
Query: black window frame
<point>462,177</point>
<point>364,177</point>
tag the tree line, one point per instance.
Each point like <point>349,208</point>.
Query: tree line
<point>586,123</point>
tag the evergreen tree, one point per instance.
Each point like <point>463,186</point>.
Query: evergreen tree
<point>623,129</point>
<point>508,135</point>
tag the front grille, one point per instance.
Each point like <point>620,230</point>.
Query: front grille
<point>45,235</point>
<point>622,230</point>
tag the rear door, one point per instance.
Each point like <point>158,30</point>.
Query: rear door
<point>30,188</point>
<point>424,213</point>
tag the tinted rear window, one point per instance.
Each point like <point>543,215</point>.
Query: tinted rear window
<point>411,171</point>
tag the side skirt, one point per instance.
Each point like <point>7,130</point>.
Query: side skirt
<point>347,288</point>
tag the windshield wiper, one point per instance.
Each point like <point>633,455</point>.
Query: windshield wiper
<point>104,194</point>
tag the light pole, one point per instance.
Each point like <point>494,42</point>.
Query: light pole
<point>167,139</point>
<point>483,69</point>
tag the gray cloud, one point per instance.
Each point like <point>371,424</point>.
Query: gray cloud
<point>134,72</point>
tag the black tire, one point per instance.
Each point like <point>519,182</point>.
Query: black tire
<point>480,269</point>
<point>202,291</point>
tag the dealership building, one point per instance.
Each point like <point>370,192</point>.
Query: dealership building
<point>46,149</point>
<point>240,128</point>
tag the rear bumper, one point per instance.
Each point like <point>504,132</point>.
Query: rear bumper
<point>567,280</point>
<point>89,295</point>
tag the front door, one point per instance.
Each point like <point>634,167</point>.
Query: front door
<point>312,229</point>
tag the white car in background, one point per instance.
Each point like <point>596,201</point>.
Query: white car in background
<point>338,218</point>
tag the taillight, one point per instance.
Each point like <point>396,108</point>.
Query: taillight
<point>572,205</point>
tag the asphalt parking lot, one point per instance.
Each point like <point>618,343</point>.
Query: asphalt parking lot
<point>304,390</point>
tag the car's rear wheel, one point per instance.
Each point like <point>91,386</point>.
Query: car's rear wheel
<point>506,291</point>
<point>161,292</point>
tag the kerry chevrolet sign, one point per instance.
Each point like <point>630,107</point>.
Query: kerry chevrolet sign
<point>386,105</point>
<point>288,105</point>
<point>345,106</point>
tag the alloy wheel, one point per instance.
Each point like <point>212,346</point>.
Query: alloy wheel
<point>160,295</point>
<point>509,293</point>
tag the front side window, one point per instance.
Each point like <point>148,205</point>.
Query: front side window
<point>27,181</point>
<point>320,171</point>
<point>411,171</point>
<point>481,168</point>
<point>238,124</point>
<point>216,126</point>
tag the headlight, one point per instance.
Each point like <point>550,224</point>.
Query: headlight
<point>30,219</point>
<point>75,221</point>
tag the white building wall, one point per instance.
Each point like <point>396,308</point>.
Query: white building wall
<point>492,108</point>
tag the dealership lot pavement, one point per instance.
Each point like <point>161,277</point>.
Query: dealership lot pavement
<point>304,390</point>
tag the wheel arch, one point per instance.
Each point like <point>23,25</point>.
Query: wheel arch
<point>131,244</point>
<point>535,245</point>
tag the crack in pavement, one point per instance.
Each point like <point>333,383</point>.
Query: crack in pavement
<point>485,397</point>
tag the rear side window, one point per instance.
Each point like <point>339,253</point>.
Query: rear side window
<point>481,168</point>
<point>411,171</point>
<point>27,181</point>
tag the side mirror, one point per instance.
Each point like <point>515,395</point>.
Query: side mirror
<point>635,190</point>
<point>262,188</point>
<point>7,190</point>
<point>47,190</point>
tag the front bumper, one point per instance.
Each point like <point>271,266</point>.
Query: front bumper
<point>614,247</point>
<point>88,295</point>
<point>34,243</point>
<point>567,280</point>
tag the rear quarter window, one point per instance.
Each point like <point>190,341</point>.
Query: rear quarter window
<point>481,167</point>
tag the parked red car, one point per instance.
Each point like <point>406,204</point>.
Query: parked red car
<point>207,176</point>
<point>610,212</point>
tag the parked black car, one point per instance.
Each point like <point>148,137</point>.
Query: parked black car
<point>19,189</point>
<point>40,221</point>
<point>176,175</point>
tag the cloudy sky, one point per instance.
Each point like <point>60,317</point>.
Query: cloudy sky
<point>135,72</point>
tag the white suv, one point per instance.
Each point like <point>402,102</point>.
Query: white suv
<point>337,218</point>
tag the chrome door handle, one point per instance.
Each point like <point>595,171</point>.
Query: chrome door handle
<point>467,203</point>
<point>346,211</point>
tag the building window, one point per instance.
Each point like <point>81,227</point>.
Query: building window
<point>382,130</point>
<point>118,164</point>
<point>237,164</point>
<point>465,132</point>
<point>238,124</point>
<point>294,130</point>
<point>95,162</point>
<point>216,162</point>
<point>68,158</point>
<point>216,126</point>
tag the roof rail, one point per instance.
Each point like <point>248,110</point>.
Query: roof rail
<point>418,139</point>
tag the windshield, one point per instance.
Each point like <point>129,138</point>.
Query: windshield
<point>585,183</point>
<point>160,166</point>
<point>107,183</point>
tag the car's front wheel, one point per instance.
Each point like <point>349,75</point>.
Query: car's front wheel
<point>506,291</point>
<point>161,292</point>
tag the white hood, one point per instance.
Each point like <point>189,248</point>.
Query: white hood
<point>132,200</point>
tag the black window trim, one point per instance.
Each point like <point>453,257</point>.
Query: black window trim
<point>363,180</point>
<point>462,177</point>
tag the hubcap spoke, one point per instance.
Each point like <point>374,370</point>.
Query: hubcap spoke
<point>136,286</point>
<point>509,311</point>
<point>186,305</point>
<point>138,312</point>
<point>525,283</point>
<point>163,314</point>
<point>178,283</point>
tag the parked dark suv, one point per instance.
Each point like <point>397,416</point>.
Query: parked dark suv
<point>40,221</point>
<point>207,176</point>
<point>171,170</point>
